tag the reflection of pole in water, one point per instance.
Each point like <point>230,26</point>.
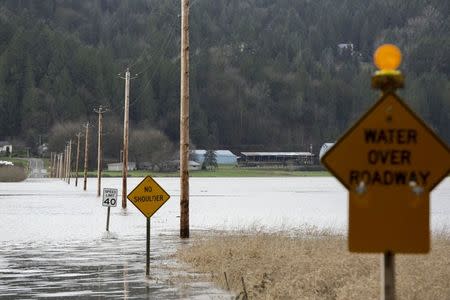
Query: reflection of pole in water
<point>125,280</point>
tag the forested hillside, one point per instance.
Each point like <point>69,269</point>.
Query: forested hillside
<point>265,75</point>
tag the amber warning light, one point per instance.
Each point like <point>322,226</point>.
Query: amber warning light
<point>387,58</point>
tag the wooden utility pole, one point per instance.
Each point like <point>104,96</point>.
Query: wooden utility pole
<point>125,139</point>
<point>62,166</point>
<point>61,174</point>
<point>58,170</point>
<point>66,157</point>
<point>100,112</point>
<point>184,121</point>
<point>57,165</point>
<point>69,161</point>
<point>78,158</point>
<point>51,164</point>
<point>86,148</point>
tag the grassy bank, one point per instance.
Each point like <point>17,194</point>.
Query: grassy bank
<point>316,265</point>
<point>15,173</point>
<point>222,171</point>
<point>12,174</point>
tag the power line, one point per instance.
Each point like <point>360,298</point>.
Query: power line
<point>161,53</point>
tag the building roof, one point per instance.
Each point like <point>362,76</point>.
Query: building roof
<point>217,152</point>
<point>325,147</point>
<point>277,153</point>
<point>120,163</point>
<point>4,143</point>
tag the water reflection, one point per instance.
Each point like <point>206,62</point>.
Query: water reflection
<point>104,268</point>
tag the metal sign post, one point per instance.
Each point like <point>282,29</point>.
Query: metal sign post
<point>388,276</point>
<point>147,264</point>
<point>148,196</point>
<point>109,199</point>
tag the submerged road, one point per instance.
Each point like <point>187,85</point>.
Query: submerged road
<point>37,169</point>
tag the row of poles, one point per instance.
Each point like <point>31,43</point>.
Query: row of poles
<point>61,162</point>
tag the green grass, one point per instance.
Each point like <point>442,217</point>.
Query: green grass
<point>222,171</point>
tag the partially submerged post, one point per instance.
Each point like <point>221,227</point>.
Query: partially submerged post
<point>100,112</point>
<point>66,157</point>
<point>51,164</point>
<point>78,158</point>
<point>184,122</point>
<point>58,170</point>
<point>109,199</point>
<point>125,139</point>
<point>69,161</point>
<point>86,149</point>
<point>57,165</point>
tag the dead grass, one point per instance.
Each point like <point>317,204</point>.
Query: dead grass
<point>310,265</point>
<point>12,174</point>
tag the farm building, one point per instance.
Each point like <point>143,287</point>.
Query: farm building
<point>275,158</point>
<point>119,166</point>
<point>325,147</point>
<point>223,157</point>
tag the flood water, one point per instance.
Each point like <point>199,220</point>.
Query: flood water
<point>53,242</point>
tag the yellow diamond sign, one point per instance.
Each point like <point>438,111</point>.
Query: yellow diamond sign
<point>389,161</point>
<point>148,196</point>
<point>388,148</point>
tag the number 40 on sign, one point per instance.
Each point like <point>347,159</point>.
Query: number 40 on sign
<point>109,197</point>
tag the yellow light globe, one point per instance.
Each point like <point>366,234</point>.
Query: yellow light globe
<point>387,57</point>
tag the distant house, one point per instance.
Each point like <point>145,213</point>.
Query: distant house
<point>119,166</point>
<point>193,165</point>
<point>5,147</point>
<point>345,48</point>
<point>43,149</point>
<point>174,165</point>
<point>223,157</point>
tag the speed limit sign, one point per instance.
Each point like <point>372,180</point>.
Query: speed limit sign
<point>109,197</point>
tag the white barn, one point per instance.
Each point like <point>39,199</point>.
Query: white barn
<point>325,147</point>
<point>223,157</point>
<point>119,166</point>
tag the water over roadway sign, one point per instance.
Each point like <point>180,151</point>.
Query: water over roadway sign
<point>148,196</point>
<point>389,161</point>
